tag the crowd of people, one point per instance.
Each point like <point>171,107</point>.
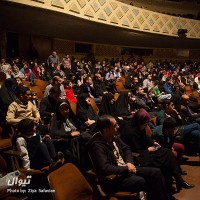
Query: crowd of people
<point>152,90</point>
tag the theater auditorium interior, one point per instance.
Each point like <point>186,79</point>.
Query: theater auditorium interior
<point>95,93</point>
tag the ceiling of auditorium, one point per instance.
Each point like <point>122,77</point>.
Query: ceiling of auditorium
<point>29,20</point>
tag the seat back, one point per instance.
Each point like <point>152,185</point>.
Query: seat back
<point>94,106</point>
<point>69,183</point>
<point>39,87</point>
<point>73,107</point>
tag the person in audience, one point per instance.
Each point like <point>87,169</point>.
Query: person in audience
<point>158,94</point>
<point>147,83</point>
<point>44,74</point>
<point>186,112</point>
<point>16,72</point>
<point>192,103</point>
<point>110,155</point>
<point>110,79</point>
<point>4,65</point>
<point>125,105</point>
<point>86,113</point>
<point>86,69</point>
<point>165,136</point>
<point>36,70</point>
<point>28,74</point>
<point>22,108</point>
<point>129,81</point>
<point>8,72</point>
<point>58,71</point>
<point>189,134</point>
<point>150,152</point>
<point>169,86</point>
<point>107,106</point>
<point>7,96</point>
<point>38,151</point>
<point>88,88</point>
<point>99,86</point>
<point>52,60</point>
<point>47,104</point>
<point>67,65</point>
<point>71,134</point>
<point>70,96</point>
<point>18,63</point>
<point>197,83</point>
<point>56,80</point>
<point>142,100</point>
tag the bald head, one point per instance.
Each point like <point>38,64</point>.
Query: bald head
<point>185,97</point>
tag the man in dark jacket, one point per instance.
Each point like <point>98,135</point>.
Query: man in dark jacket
<point>48,104</point>
<point>111,156</point>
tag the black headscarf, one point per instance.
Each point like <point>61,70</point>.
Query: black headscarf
<point>85,111</point>
<point>106,108</point>
<point>122,104</point>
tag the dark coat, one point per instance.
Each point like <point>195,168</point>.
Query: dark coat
<point>139,142</point>
<point>103,157</point>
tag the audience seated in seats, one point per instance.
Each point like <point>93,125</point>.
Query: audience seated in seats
<point>86,113</point>
<point>58,71</point>
<point>186,112</point>
<point>70,96</point>
<point>158,94</point>
<point>28,74</point>
<point>86,69</point>
<point>88,88</point>
<point>129,81</point>
<point>136,82</point>
<point>47,104</point>
<point>142,100</point>
<point>197,83</point>
<point>188,134</point>
<point>107,106</point>
<point>19,82</point>
<point>147,83</point>
<point>4,65</point>
<point>110,156</point>
<point>39,151</point>
<point>169,86</point>
<point>151,153</point>
<point>67,65</point>
<point>56,80</point>
<point>181,90</point>
<point>165,136</point>
<point>110,79</point>
<point>7,96</point>
<point>44,74</point>
<point>99,85</point>
<point>70,134</point>
<point>22,108</point>
<point>125,105</point>
<point>35,69</point>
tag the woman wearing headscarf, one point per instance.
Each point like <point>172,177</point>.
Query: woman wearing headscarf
<point>68,131</point>
<point>107,106</point>
<point>125,105</point>
<point>7,96</point>
<point>150,152</point>
<point>85,113</point>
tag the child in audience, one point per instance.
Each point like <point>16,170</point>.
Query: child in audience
<point>39,152</point>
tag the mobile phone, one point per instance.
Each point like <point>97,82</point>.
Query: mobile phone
<point>157,147</point>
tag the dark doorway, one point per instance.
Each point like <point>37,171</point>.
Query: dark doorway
<point>12,45</point>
